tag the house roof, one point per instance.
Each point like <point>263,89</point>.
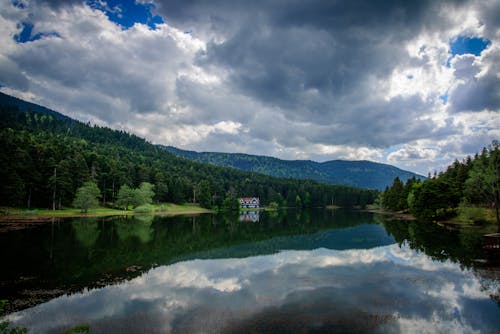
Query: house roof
<point>248,199</point>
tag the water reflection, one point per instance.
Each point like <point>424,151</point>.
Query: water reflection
<point>249,216</point>
<point>388,289</point>
<point>89,252</point>
<point>139,229</point>
<point>461,245</point>
<point>300,271</point>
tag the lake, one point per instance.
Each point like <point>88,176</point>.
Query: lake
<point>317,271</point>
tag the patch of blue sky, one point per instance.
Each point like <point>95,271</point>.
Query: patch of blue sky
<point>128,12</point>
<point>26,34</point>
<point>19,4</point>
<point>444,98</point>
<point>468,45</point>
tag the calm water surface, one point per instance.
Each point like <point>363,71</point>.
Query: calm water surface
<point>291,272</point>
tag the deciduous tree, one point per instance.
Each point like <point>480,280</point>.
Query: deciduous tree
<point>87,196</point>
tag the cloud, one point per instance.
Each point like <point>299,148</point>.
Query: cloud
<point>412,153</point>
<point>371,84</point>
<point>478,85</point>
<point>57,4</point>
<point>323,286</point>
<point>294,77</point>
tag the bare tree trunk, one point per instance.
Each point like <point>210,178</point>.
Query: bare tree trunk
<point>104,194</point>
<point>29,199</point>
<point>55,188</point>
<point>498,218</point>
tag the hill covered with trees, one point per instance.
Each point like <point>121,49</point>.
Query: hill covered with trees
<point>47,156</point>
<point>363,174</point>
<point>466,186</point>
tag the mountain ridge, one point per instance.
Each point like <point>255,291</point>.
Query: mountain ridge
<point>46,157</point>
<point>359,173</point>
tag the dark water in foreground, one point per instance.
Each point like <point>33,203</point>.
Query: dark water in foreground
<point>293,272</point>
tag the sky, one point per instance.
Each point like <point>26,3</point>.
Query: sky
<point>415,84</point>
<point>313,291</point>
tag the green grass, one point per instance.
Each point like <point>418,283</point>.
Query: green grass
<point>146,208</point>
<point>474,215</point>
<point>251,209</point>
<point>74,211</point>
<point>267,208</point>
<point>78,329</point>
<point>186,206</point>
<point>168,208</point>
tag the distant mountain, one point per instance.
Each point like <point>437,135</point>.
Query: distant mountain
<point>364,174</point>
<point>7,100</point>
<point>47,156</point>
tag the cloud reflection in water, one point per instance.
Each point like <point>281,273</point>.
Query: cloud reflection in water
<point>385,289</point>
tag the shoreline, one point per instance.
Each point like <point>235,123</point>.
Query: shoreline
<point>396,215</point>
<point>43,217</point>
<point>452,224</point>
<point>17,221</point>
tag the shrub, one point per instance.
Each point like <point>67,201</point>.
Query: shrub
<point>144,208</point>
<point>472,214</point>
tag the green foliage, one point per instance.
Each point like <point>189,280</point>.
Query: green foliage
<point>78,329</point>
<point>471,214</point>
<point>483,184</point>
<point>307,200</point>
<point>474,181</point>
<point>144,194</point>
<point>205,196</point>
<point>125,197</point>
<point>231,204</point>
<point>298,201</point>
<point>145,208</point>
<point>364,174</point>
<point>273,206</point>
<point>87,196</point>
<point>34,147</point>
<point>5,327</point>
<point>135,197</point>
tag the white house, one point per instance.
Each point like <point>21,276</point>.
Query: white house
<point>249,202</point>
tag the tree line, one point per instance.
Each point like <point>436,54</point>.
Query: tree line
<point>46,159</point>
<point>475,181</point>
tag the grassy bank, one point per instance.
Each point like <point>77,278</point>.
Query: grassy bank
<point>461,216</point>
<point>475,215</point>
<point>8,213</point>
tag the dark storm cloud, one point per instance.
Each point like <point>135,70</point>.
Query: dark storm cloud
<point>316,61</point>
<point>290,78</point>
<point>10,76</point>
<point>277,50</point>
<point>57,4</point>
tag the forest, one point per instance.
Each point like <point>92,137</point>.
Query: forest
<point>361,174</point>
<point>47,156</point>
<point>464,188</point>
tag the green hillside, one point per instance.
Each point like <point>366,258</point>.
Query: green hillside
<point>363,174</point>
<point>47,156</point>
